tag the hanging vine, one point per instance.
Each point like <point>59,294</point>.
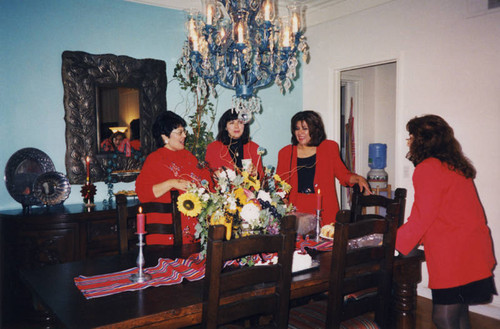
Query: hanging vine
<point>201,114</point>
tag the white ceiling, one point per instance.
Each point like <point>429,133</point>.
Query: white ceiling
<point>318,11</point>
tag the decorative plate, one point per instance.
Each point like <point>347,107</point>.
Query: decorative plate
<point>21,171</point>
<point>52,188</point>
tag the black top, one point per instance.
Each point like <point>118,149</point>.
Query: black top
<point>236,151</point>
<point>306,167</point>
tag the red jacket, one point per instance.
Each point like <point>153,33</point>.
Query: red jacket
<point>328,167</point>
<point>218,156</point>
<point>161,165</point>
<point>448,219</point>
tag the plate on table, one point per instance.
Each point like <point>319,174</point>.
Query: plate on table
<point>52,188</point>
<point>21,171</point>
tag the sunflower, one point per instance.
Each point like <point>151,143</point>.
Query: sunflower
<point>189,204</point>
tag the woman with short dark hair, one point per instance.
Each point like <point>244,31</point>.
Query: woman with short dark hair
<point>171,166</point>
<point>448,220</point>
<point>311,164</point>
<point>233,147</point>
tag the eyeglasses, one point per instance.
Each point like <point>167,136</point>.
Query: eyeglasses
<point>180,131</point>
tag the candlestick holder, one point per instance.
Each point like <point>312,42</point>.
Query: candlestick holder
<point>140,276</point>
<point>318,225</point>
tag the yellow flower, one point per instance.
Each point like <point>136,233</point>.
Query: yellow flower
<point>239,194</point>
<point>189,204</point>
<point>223,220</point>
<point>277,178</point>
<point>286,187</point>
<point>251,181</point>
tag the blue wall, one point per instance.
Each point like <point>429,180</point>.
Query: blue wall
<point>33,35</point>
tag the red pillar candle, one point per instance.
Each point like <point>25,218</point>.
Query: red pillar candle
<point>318,200</point>
<point>141,219</point>
<point>87,163</point>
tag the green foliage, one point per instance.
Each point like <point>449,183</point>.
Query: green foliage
<point>201,112</point>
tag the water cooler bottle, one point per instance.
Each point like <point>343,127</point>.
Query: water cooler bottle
<point>377,158</point>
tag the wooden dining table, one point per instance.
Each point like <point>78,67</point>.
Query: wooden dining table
<point>180,305</point>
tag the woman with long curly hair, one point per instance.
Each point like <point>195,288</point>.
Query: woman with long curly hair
<point>448,220</point>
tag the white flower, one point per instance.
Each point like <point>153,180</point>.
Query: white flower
<point>281,194</point>
<point>264,196</point>
<point>205,197</point>
<point>227,173</point>
<point>250,213</point>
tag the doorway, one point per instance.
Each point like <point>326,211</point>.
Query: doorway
<point>367,115</point>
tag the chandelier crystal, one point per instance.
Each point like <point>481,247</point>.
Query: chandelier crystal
<point>244,46</point>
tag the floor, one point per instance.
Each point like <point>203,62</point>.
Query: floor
<point>424,320</point>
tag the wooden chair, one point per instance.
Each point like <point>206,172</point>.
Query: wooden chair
<point>355,272</point>
<point>174,228</point>
<point>360,202</point>
<point>273,281</point>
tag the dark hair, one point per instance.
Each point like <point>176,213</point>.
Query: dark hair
<point>116,134</point>
<point>223,135</point>
<point>433,137</point>
<point>314,123</point>
<point>164,124</point>
<point>135,129</point>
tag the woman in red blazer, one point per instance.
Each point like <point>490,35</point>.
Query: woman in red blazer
<point>171,166</point>
<point>233,146</point>
<point>311,164</point>
<point>448,220</point>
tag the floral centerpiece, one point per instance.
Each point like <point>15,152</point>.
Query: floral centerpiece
<point>239,200</point>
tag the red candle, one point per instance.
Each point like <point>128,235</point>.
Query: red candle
<point>318,200</point>
<point>87,162</point>
<point>141,219</point>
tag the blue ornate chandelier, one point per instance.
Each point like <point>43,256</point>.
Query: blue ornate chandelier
<point>244,46</point>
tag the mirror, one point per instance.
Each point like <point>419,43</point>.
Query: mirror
<point>85,77</point>
<point>118,119</point>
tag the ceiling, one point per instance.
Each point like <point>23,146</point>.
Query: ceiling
<point>318,11</point>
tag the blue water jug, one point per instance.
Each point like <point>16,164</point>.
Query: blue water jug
<point>377,156</point>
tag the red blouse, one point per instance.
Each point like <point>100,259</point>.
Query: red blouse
<point>448,220</point>
<point>161,165</point>
<point>328,167</point>
<point>218,156</point>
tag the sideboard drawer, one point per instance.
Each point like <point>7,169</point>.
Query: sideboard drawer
<point>38,246</point>
<point>102,237</point>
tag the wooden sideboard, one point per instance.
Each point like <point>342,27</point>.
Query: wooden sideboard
<point>53,235</point>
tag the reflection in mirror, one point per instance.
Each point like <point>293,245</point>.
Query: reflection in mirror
<point>118,119</point>
<point>83,74</point>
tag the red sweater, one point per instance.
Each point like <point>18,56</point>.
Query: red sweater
<point>448,220</point>
<point>328,167</point>
<point>218,156</point>
<point>161,165</point>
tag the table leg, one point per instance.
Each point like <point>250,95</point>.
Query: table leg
<point>407,274</point>
<point>405,306</point>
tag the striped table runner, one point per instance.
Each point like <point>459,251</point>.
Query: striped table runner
<point>167,272</point>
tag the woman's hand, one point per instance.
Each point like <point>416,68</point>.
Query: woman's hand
<point>361,181</point>
<point>163,187</point>
<point>179,184</point>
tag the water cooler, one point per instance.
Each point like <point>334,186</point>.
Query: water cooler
<point>377,161</point>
